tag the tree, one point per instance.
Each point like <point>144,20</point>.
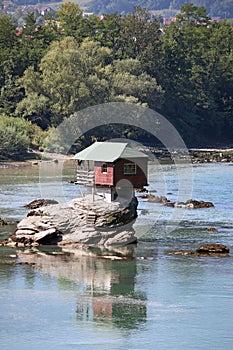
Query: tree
<point>109,33</point>
<point>17,136</point>
<point>191,14</point>
<point>8,42</point>
<point>198,73</point>
<point>69,16</point>
<point>17,53</point>
<point>9,64</point>
<point>139,32</point>
<point>73,77</point>
<point>132,84</point>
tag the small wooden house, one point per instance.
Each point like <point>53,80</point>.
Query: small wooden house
<point>113,168</point>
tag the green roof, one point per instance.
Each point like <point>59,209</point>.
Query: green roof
<point>108,152</point>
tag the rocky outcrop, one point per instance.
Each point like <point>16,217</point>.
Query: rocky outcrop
<point>190,204</point>
<point>154,199</point>
<point>213,249</point>
<point>195,155</point>
<point>205,250</point>
<point>81,221</point>
<point>37,203</point>
<point>211,155</point>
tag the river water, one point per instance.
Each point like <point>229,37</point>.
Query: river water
<point>51,299</point>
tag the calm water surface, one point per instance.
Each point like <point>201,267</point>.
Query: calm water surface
<point>63,300</point>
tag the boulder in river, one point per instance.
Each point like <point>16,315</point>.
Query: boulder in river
<point>213,249</point>
<point>190,204</point>
<point>206,250</point>
<point>82,221</point>
<point>154,199</point>
<point>2,222</point>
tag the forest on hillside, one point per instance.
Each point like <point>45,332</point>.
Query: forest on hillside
<point>166,8</point>
<point>70,62</point>
<point>222,8</point>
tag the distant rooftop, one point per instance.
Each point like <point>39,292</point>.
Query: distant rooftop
<point>108,152</point>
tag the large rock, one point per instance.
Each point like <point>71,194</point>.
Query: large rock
<point>206,250</point>
<point>213,249</point>
<point>81,221</point>
<point>190,204</point>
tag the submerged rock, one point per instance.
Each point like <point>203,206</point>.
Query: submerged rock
<point>190,204</point>
<point>205,250</point>
<point>211,229</point>
<point>213,249</point>
<point>194,204</point>
<point>80,221</point>
<point>2,222</point>
<point>157,199</point>
<point>154,199</point>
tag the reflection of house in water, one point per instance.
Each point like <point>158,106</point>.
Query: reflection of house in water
<point>107,287</point>
<point>121,306</point>
<point>122,311</point>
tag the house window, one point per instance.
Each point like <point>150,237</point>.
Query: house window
<point>104,168</point>
<point>129,169</point>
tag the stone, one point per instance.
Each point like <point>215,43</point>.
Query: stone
<point>47,235</point>
<point>26,232</point>
<point>80,221</point>
<point>194,204</point>
<point>169,204</point>
<point>211,229</point>
<point>213,249</point>
<point>182,252</point>
<point>157,199</point>
<point>179,205</point>
<point>189,204</point>
<point>141,190</point>
<point>37,203</point>
<point>2,222</point>
<point>205,250</point>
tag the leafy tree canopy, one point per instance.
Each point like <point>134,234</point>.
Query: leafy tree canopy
<point>74,76</point>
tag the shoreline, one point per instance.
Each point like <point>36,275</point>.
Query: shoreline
<point>197,155</point>
<point>36,160</point>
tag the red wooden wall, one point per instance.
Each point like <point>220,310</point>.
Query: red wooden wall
<point>137,180</point>
<point>104,178</point>
<point>115,173</point>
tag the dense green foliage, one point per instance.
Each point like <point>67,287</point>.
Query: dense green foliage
<point>198,75</point>
<point>17,136</point>
<point>70,62</point>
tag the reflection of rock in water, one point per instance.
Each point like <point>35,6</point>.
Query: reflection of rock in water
<point>83,267</point>
<point>107,285</point>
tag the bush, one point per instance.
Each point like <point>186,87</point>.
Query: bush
<point>17,136</point>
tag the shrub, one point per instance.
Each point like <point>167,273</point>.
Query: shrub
<point>17,135</point>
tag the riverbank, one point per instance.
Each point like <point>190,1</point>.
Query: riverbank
<point>196,155</point>
<point>34,158</point>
